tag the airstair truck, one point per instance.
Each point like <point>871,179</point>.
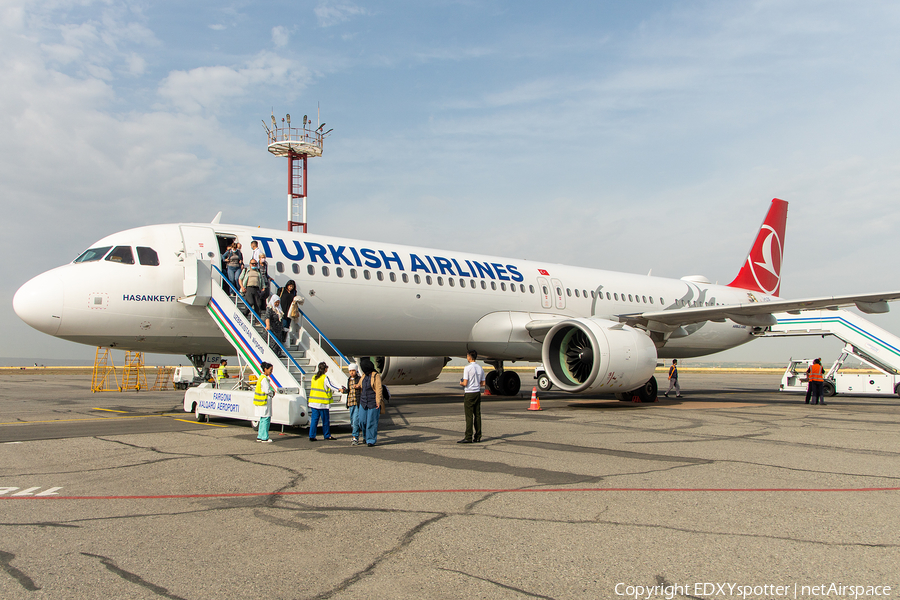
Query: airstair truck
<point>870,380</point>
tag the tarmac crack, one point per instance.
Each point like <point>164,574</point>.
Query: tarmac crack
<point>24,580</point>
<point>498,584</point>
<point>40,524</point>
<point>405,541</point>
<point>130,577</point>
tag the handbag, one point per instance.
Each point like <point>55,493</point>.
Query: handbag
<point>294,311</point>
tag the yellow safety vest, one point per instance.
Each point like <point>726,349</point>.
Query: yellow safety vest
<point>260,398</point>
<point>318,393</point>
<point>220,373</point>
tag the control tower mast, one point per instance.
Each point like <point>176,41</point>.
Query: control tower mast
<point>297,144</point>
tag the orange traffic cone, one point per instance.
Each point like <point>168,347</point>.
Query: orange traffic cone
<point>535,403</point>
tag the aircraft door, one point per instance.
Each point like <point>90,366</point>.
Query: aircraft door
<point>559,293</point>
<point>201,250</point>
<point>546,292</point>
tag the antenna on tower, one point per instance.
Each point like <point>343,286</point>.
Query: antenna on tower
<point>297,144</point>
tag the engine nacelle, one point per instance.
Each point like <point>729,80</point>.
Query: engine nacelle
<point>586,355</point>
<point>409,370</point>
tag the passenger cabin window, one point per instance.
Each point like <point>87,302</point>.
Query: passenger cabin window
<point>310,269</point>
<point>483,285</point>
<point>352,273</point>
<point>279,266</point>
<point>379,275</point>
<point>417,279</point>
<point>339,271</point>
<point>405,278</point>
<point>393,276</point>
<point>295,268</point>
<point>502,286</point>
<point>428,279</point>
<point>147,256</point>
<point>122,254</point>
<point>325,271</point>
<point>366,274</point>
<point>531,288</point>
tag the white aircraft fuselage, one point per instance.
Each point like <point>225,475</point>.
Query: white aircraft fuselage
<point>369,298</point>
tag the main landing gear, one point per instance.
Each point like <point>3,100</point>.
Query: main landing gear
<point>500,382</point>
<point>645,393</point>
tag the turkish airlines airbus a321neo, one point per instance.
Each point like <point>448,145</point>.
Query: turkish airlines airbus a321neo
<point>594,330</point>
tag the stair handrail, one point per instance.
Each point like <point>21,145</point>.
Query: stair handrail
<point>261,322</point>
<point>322,336</point>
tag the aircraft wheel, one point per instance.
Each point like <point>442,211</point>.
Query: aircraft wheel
<point>490,381</point>
<point>510,383</point>
<point>647,392</point>
<point>544,384</point>
<point>828,389</point>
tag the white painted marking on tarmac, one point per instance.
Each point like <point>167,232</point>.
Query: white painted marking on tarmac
<point>30,491</point>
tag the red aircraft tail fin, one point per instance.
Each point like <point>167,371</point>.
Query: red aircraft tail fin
<point>762,269</point>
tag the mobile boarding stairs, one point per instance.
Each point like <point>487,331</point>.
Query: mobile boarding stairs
<point>293,365</point>
<point>863,340</point>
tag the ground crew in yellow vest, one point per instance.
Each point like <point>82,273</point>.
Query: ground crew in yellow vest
<point>220,372</point>
<point>262,402</point>
<point>320,394</point>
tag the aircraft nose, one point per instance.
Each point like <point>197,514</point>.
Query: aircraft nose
<point>40,302</point>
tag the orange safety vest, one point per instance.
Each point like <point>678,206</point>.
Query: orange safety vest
<point>816,372</point>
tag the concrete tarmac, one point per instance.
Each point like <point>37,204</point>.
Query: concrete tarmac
<point>123,495</point>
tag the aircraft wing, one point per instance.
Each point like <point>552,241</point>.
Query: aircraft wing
<point>757,314</point>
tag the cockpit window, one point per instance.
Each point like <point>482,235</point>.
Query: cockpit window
<point>93,254</point>
<point>122,254</point>
<point>148,256</point>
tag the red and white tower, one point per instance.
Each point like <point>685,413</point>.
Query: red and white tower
<point>297,144</point>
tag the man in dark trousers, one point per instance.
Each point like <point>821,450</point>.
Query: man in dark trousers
<point>472,383</point>
<point>673,379</point>
<point>817,381</point>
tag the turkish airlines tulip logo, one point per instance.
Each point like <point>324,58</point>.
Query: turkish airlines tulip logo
<point>765,261</point>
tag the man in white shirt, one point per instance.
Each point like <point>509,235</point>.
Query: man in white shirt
<point>472,383</point>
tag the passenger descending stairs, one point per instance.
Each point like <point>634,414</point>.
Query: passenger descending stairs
<point>294,366</point>
<point>873,343</point>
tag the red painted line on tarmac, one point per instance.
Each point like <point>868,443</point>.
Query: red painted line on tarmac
<point>456,491</point>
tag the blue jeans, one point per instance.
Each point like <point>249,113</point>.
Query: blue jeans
<point>233,274</point>
<point>264,428</point>
<point>314,415</point>
<point>354,420</point>
<point>368,418</point>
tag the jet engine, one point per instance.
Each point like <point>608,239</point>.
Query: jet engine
<point>586,355</point>
<point>409,370</point>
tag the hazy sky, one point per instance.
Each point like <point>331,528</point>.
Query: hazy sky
<point>621,135</point>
